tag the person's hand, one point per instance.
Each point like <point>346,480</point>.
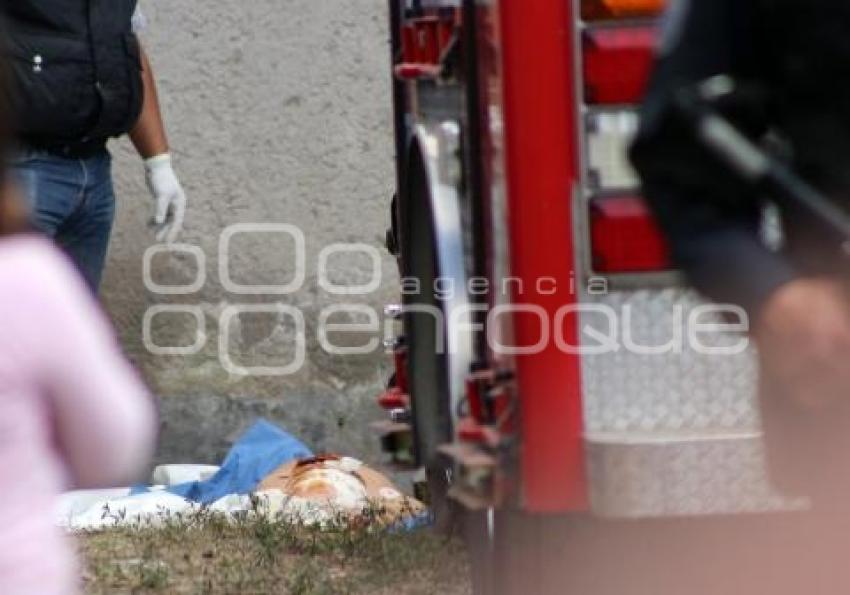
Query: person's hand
<point>803,334</point>
<point>169,196</point>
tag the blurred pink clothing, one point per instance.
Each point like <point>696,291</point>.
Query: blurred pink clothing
<point>73,414</point>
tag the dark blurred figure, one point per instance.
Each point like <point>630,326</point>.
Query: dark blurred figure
<point>795,287</point>
<point>73,414</point>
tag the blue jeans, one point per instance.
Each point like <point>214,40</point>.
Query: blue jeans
<point>72,201</point>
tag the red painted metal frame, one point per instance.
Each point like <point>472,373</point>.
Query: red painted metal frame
<point>541,135</point>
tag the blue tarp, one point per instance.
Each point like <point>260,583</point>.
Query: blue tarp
<point>260,450</point>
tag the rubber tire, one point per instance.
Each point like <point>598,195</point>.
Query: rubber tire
<point>427,370</point>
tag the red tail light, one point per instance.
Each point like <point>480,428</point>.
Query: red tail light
<point>617,62</point>
<point>625,237</point>
<point>620,9</point>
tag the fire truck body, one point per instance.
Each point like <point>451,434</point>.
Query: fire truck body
<point>599,385</point>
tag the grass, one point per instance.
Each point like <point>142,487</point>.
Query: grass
<point>208,553</point>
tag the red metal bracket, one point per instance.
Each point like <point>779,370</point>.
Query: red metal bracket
<point>408,71</point>
<point>394,398</point>
<point>470,431</point>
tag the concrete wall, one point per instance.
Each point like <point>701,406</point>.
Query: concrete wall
<point>278,112</point>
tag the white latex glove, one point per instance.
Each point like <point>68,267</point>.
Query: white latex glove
<point>169,196</point>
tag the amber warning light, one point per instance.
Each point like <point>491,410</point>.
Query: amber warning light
<point>592,10</point>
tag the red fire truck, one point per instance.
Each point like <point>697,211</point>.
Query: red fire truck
<point>548,378</point>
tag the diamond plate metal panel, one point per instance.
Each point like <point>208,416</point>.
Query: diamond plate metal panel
<point>673,392</point>
<point>685,476</point>
<point>674,433</point>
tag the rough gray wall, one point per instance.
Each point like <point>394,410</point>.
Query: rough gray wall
<point>278,112</point>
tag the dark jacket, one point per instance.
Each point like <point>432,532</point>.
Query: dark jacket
<point>798,52</point>
<point>75,69</point>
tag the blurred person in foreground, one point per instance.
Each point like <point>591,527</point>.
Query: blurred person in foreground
<point>80,77</point>
<point>73,414</point>
<point>797,54</point>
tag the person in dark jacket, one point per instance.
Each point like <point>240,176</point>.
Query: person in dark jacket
<point>797,53</point>
<point>79,76</point>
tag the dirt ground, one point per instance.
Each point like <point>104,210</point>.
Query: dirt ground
<point>214,555</point>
